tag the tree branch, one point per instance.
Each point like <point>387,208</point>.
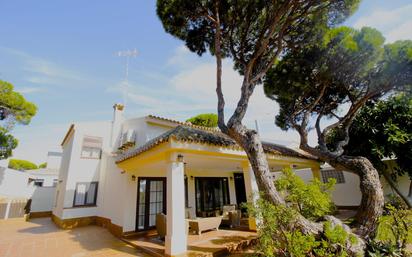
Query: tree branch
<point>218,53</point>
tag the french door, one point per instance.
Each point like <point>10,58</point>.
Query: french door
<point>211,194</point>
<point>151,200</point>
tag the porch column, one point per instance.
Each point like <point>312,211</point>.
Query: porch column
<point>252,190</point>
<point>316,173</point>
<point>176,238</point>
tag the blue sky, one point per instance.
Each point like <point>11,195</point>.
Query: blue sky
<point>62,56</point>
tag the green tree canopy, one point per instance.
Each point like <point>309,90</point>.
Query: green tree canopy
<point>21,165</point>
<point>331,80</point>
<point>14,108</point>
<point>7,143</point>
<point>204,119</point>
<point>383,130</point>
<point>14,105</point>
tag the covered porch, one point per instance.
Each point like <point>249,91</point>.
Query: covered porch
<point>191,177</point>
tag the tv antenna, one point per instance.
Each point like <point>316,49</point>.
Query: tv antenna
<point>127,54</point>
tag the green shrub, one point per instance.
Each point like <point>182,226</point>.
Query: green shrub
<point>278,234</point>
<point>312,200</point>
<point>21,165</point>
<point>205,120</point>
<point>394,231</point>
<point>277,231</point>
<point>43,165</point>
<point>393,200</point>
<point>376,248</point>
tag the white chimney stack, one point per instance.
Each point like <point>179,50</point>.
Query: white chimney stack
<point>118,110</point>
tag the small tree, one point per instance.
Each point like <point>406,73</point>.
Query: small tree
<point>333,79</point>
<point>17,164</point>
<point>14,108</point>
<point>205,120</point>
<point>43,165</point>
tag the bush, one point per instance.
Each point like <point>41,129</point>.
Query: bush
<point>21,165</point>
<point>394,231</point>
<point>278,234</point>
<point>393,200</point>
<point>312,200</point>
<point>205,120</point>
<point>376,248</point>
<point>43,165</point>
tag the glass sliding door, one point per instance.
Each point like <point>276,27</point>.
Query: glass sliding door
<point>151,200</point>
<point>211,195</point>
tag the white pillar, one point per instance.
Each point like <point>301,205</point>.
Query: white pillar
<point>176,238</point>
<point>252,190</point>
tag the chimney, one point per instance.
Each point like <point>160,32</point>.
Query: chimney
<point>118,110</point>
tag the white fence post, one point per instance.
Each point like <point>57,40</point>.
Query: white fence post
<point>6,216</point>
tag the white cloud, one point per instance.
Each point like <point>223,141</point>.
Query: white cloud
<point>395,24</point>
<point>41,71</point>
<point>29,90</point>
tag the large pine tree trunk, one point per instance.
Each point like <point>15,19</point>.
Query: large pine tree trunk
<point>251,143</point>
<point>372,201</point>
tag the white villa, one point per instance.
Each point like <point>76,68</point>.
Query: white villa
<point>121,174</point>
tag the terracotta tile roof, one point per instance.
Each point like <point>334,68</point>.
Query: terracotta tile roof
<point>193,135</point>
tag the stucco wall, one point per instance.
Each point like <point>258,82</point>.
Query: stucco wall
<point>43,199</point>
<point>14,183</point>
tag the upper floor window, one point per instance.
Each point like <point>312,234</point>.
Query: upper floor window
<point>336,174</point>
<point>92,147</point>
<point>85,194</point>
<point>38,182</point>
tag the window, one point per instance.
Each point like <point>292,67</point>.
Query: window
<point>92,147</point>
<point>85,194</point>
<point>211,195</point>
<point>38,182</point>
<point>336,174</point>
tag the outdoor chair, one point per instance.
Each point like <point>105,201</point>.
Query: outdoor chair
<point>230,216</point>
<point>161,225</point>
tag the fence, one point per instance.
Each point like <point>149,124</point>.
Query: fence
<point>14,208</point>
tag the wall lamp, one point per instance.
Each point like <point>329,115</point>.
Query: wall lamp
<point>180,158</point>
<point>133,178</point>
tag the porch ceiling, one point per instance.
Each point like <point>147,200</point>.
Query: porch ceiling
<point>202,157</point>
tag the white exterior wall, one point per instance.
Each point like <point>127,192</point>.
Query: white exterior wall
<point>14,183</point>
<point>63,174</point>
<point>42,199</point>
<point>113,192</point>
<point>75,169</point>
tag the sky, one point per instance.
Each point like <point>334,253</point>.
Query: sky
<point>62,55</point>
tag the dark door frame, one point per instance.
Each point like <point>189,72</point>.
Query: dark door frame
<point>240,192</point>
<point>147,201</point>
